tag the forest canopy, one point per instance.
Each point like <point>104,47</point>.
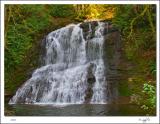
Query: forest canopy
<point>26,25</point>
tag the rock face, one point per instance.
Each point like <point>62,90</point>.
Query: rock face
<point>78,62</point>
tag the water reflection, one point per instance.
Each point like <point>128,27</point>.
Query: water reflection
<point>79,110</point>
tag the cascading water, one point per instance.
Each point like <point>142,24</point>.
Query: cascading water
<point>73,71</point>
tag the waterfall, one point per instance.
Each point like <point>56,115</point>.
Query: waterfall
<point>73,71</point>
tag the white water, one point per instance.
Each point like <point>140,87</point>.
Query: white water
<point>70,60</point>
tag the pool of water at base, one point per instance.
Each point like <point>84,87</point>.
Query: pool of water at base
<point>78,110</point>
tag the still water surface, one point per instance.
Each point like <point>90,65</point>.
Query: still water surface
<point>79,110</point>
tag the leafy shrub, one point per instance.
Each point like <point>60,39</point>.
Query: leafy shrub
<point>150,91</point>
<point>152,65</point>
